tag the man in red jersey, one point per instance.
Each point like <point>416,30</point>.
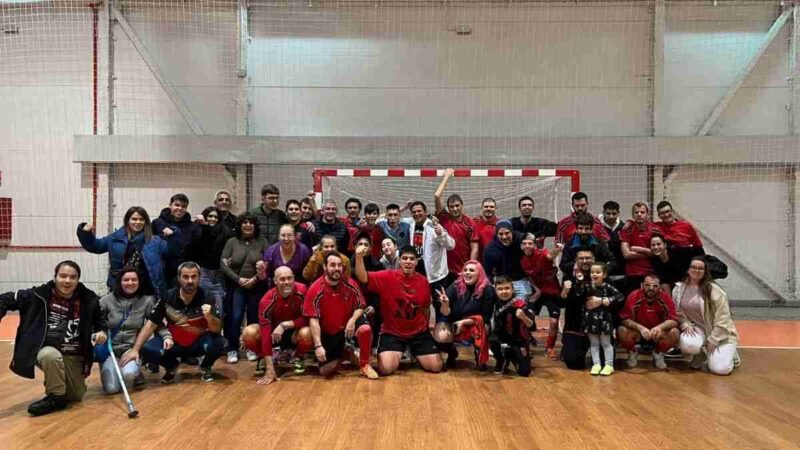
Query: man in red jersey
<point>334,307</point>
<point>537,263</point>
<point>679,233</point>
<point>458,225</point>
<point>280,322</point>
<point>635,245</point>
<point>567,226</point>
<point>405,301</point>
<point>485,224</point>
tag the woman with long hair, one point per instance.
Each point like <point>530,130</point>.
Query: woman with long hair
<point>125,310</point>
<point>133,245</point>
<point>241,263</point>
<point>464,310</point>
<point>707,330</point>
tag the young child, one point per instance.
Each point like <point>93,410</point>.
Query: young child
<point>598,323</point>
<point>511,334</point>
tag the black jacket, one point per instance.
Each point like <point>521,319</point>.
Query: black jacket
<point>32,330</point>
<point>190,235</point>
<point>598,247</point>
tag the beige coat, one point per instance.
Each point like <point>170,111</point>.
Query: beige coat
<point>719,327</point>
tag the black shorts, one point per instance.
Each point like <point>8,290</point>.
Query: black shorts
<point>286,340</point>
<point>419,345</point>
<point>551,302</point>
<point>333,345</point>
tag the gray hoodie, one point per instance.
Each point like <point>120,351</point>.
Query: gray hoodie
<point>138,310</point>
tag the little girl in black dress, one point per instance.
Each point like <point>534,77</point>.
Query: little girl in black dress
<point>598,323</point>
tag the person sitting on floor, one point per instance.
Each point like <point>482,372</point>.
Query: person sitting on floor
<point>512,320</point>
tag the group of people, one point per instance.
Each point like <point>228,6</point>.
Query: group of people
<point>283,284</point>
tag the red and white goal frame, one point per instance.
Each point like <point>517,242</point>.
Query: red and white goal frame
<point>573,175</point>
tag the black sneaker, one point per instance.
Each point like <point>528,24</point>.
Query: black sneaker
<point>152,367</point>
<point>206,375</point>
<point>50,403</point>
<point>674,352</point>
<point>500,366</point>
<point>452,357</point>
<point>169,376</point>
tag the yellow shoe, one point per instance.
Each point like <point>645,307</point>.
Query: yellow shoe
<point>595,369</point>
<point>369,372</point>
<point>607,370</point>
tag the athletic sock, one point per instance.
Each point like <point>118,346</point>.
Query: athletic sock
<point>364,338</point>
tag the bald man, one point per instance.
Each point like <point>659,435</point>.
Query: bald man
<point>281,323</point>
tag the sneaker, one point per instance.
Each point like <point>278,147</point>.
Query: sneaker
<point>169,376</point>
<point>500,365</point>
<point>452,357</point>
<point>406,358</point>
<point>697,361</point>
<point>551,353</point>
<point>369,372</point>
<point>299,366</point>
<point>596,369</point>
<point>607,370</point>
<point>674,352</point>
<point>658,361</point>
<point>737,360</point>
<point>152,367</point>
<point>233,357</point>
<point>50,403</point>
<point>206,374</point>
<point>261,367</point>
<point>251,355</point>
<point>633,359</point>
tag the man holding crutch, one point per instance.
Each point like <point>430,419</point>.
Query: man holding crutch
<point>59,324</point>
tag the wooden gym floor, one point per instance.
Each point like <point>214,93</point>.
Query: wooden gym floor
<point>756,407</point>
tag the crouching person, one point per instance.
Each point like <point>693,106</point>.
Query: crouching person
<point>193,323</point>
<point>58,322</point>
<point>512,320</point>
<point>126,311</point>
<point>281,323</point>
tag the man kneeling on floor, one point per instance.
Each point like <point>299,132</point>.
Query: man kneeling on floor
<point>334,307</point>
<point>193,320</point>
<point>649,320</point>
<point>56,322</point>
<point>280,322</point>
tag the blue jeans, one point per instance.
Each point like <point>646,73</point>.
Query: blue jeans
<point>210,344</point>
<point>213,282</point>
<point>238,303</point>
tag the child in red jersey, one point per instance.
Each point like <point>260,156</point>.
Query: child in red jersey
<point>511,322</point>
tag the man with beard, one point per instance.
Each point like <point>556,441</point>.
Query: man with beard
<point>567,227</point>
<point>526,223</point>
<point>193,320</point>
<point>334,306</point>
<point>583,239</point>
<point>574,341</point>
<point>649,319</point>
<point>405,304</point>
<point>613,226</point>
<point>484,225</point>
<point>281,323</point>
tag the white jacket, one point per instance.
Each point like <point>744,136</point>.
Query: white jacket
<point>434,249</point>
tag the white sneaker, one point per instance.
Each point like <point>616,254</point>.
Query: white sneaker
<point>633,359</point>
<point>251,355</point>
<point>658,361</point>
<point>233,357</point>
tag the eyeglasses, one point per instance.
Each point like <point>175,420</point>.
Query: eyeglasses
<point>699,269</point>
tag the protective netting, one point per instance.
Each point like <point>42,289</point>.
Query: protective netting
<point>619,90</point>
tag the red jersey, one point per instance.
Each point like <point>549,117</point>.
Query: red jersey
<point>405,302</point>
<point>637,237</point>
<point>648,314</point>
<point>464,233</point>
<point>680,234</point>
<point>332,305</point>
<point>485,230</point>
<point>567,226</point>
<point>274,309</point>
<point>541,271</point>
